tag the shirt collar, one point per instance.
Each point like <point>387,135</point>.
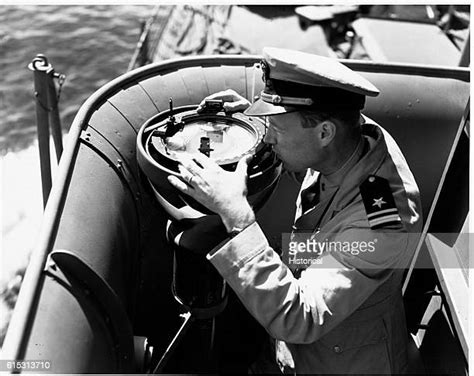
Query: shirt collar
<point>335,179</point>
<point>368,164</point>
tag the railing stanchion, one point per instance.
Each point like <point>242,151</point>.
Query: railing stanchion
<point>40,68</point>
<point>54,119</point>
<point>47,114</point>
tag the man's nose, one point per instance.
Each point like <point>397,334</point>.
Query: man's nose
<point>269,137</point>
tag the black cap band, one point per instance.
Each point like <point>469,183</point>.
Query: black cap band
<point>312,97</point>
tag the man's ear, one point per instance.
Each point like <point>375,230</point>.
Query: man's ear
<point>327,132</point>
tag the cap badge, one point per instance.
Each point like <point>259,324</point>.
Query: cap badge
<point>276,99</point>
<point>282,100</point>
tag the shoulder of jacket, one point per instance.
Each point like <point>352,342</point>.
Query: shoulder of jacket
<point>378,201</point>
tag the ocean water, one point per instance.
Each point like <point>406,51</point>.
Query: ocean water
<point>91,45</point>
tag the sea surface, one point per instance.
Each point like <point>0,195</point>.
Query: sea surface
<point>91,45</point>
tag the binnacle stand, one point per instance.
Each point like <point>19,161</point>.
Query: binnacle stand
<point>197,286</point>
<point>201,292</point>
<point>189,318</point>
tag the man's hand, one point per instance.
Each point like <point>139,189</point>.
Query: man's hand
<point>233,102</point>
<point>221,191</point>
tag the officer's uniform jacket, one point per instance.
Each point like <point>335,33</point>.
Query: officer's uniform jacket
<point>345,314</point>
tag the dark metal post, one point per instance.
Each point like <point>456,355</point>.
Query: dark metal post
<point>47,113</point>
<point>466,53</point>
<point>54,119</point>
<point>41,68</point>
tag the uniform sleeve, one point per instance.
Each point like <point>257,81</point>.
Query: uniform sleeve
<point>302,310</point>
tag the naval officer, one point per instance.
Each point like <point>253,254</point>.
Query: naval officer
<point>343,313</point>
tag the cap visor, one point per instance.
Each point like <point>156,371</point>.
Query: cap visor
<point>262,108</point>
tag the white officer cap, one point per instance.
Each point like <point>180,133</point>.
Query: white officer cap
<point>296,80</point>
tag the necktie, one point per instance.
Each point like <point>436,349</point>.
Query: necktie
<point>310,196</point>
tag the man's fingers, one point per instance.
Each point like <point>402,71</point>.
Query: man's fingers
<point>186,175</point>
<point>229,97</point>
<point>189,164</point>
<point>224,95</point>
<point>243,165</point>
<point>205,161</point>
<point>236,106</point>
<point>179,184</point>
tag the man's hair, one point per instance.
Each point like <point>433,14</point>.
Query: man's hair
<point>350,118</point>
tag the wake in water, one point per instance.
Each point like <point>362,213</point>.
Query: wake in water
<point>91,45</point>
<point>22,213</point>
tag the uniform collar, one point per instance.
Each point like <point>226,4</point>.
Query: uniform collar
<point>361,164</point>
<point>367,164</point>
<point>335,179</point>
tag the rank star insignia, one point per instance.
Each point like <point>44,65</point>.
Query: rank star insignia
<point>378,202</point>
<point>373,187</point>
